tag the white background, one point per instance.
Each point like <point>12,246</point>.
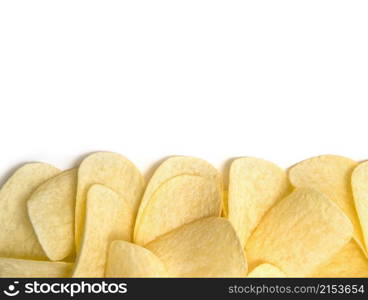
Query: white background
<point>280,80</point>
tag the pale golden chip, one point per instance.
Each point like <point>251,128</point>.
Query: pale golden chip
<point>299,233</point>
<point>17,238</point>
<point>255,185</point>
<point>359,181</point>
<point>108,217</point>
<point>205,248</point>
<point>350,261</point>
<point>112,170</point>
<point>178,201</point>
<point>173,167</point>
<point>51,210</point>
<point>21,268</point>
<point>266,271</point>
<point>126,260</point>
<point>331,175</point>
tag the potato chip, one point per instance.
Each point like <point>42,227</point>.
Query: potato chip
<point>266,271</point>
<point>126,260</point>
<point>208,247</point>
<point>109,217</point>
<point>299,233</point>
<point>350,261</point>
<point>21,268</point>
<point>331,175</point>
<point>255,185</point>
<point>173,167</point>
<point>51,211</point>
<point>113,171</point>
<point>359,181</point>
<point>17,238</point>
<point>178,201</point>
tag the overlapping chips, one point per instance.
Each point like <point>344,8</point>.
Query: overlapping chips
<point>182,190</point>
<point>299,233</point>
<point>115,172</point>
<point>205,248</point>
<point>329,174</point>
<point>51,211</point>
<point>108,218</point>
<point>96,220</point>
<point>350,261</point>
<point>17,238</point>
<point>129,260</point>
<point>255,185</point>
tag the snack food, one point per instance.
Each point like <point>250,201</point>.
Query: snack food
<point>17,238</point>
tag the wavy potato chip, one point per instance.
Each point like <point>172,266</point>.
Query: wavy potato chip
<point>112,170</point>
<point>173,167</point>
<point>330,175</point>
<point>266,271</point>
<point>299,233</point>
<point>51,211</point>
<point>359,181</point>
<point>205,248</point>
<point>17,238</point>
<point>350,261</point>
<point>127,260</point>
<point>178,201</point>
<point>255,185</point>
<point>22,268</point>
<point>109,217</point>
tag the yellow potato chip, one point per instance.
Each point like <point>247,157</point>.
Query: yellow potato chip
<point>108,217</point>
<point>359,181</point>
<point>205,248</point>
<point>299,233</point>
<point>113,171</point>
<point>350,261</point>
<point>126,260</point>
<point>17,238</point>
<point>178,201</point>
<point>173,167</point>
<point>255,185</point>
<point>266,271</point>
<point>331,175</point>
<point>21,268</point>
<point>51,211</point>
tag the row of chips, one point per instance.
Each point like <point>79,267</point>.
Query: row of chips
<point>101,220</point>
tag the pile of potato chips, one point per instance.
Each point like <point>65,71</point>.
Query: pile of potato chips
<point>101,220</point>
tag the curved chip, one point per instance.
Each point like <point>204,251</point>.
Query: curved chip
<point>266,271</point>
<point>21,268</point>
<point>330,175</point>
<point>108,217</point>
<point>350,261</point>
<point>255,185</point>
<point>178,201</point>
<point>17,238</point>
<point>359,181</point>
<point>51,211</point>
<point>205,248</point>
<point>127,260</point>
<point>173,167</point>
<point>299,233</point>
<point>112,170</point>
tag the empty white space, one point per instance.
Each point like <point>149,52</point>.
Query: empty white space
<point>280,80</point>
